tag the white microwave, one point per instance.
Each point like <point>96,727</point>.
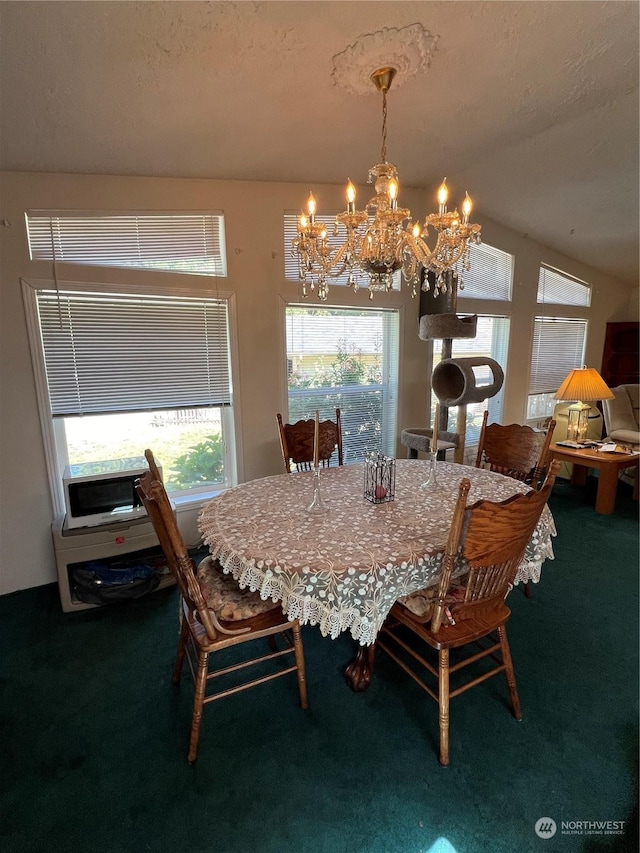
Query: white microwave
<point>102,492</point>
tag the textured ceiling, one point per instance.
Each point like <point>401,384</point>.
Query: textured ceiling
<point>531,106</point>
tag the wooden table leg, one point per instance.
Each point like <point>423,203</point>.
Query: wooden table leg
<point>607,488</point>
<point>359,672</point>
<point>579,475</point>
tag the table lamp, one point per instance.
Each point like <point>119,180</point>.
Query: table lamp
<point>583,383</point>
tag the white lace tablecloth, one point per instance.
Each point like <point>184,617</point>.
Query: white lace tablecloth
<point>344,570</point>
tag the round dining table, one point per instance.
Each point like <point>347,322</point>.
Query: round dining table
<point>343,569</point>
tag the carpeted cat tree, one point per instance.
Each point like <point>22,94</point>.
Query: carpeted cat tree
<point>453,380</point>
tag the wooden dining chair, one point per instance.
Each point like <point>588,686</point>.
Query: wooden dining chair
<point>216,615</point>
<point>491,538</point>
<point>296,441</point>
<point>516,450</point>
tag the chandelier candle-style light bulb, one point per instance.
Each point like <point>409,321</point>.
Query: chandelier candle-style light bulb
<point>382,239</point>
<point>443,195</point>
<point>466,209</point>
<point>351,198</point>
<point>393,194</point>
<point>311,207</point>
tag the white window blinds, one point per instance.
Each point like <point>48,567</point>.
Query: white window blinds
<point>558,348</point>
<point>178,242</point>
<point>490,275</point>
<point>348,359</point>
<point>556,288</point>
<point>122,353</point>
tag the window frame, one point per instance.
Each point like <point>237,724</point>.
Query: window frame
<point>54,456</point>
<point>43,247</point>
<point>572,311</point>
<point>391,310</point>
<point>508,260</point>
<point>534,419</point>
<point>573,285</point>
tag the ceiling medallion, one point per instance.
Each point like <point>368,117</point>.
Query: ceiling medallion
<point>407,50</point>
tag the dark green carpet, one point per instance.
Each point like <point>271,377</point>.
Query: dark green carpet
<point>93,734</point>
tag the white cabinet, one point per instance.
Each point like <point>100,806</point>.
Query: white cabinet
<point>122,540</point>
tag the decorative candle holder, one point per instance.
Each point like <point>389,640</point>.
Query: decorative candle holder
<point>379,478</point>
<point>317,507</point>
<point>431,482</point>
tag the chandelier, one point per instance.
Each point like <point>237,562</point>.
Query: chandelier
<point>382,239</point>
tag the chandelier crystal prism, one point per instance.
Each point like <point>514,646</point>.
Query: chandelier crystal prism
<point>382,239</point>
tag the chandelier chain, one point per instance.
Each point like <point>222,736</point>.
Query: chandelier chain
<point>383,153</point>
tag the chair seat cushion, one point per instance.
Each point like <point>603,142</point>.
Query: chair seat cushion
<point>224,596</point>
<point>420,603</point>
<point>514,473</point>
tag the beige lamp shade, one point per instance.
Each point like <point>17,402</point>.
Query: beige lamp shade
<point>584,383</point>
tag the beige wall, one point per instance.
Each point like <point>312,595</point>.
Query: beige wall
<point>611,301</point>
<point>253,219</point>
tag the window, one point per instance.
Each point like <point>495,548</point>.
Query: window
<point>178,242</point>
<point>556,288</point>
<point>124,371</point>
<point>558,348</point>
<point>491,341</point>
<point>119,371</point>
<point>291,270</point>
<point>558,342</point>
<point>347,359</point>
<point>490,277</point>
<point>490,274</point>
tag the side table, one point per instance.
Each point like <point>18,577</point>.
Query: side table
<point>608,466</point>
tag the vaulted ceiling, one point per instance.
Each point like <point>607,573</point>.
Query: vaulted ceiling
<point>531,106</point>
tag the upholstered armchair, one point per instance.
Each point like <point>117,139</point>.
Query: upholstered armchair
<point>622,414</point>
